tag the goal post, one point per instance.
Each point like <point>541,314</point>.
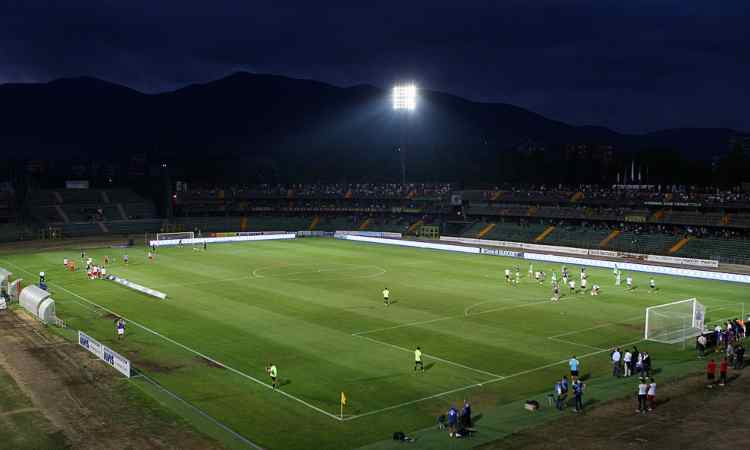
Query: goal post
<point>674,322</point>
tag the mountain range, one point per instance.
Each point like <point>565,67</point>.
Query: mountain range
<point>266,126</point>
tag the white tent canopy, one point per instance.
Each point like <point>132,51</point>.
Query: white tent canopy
<point>37,301</point>
<point>4,276</point>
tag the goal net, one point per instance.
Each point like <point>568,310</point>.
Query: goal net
<point>174,236</point>
<point>674,322</point>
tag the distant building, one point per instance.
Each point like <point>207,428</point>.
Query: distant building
<point>601,153</point>
<point>743,141</point>
<point>531,147</point>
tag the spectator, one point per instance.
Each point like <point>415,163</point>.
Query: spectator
<point>466,415</point>
<point>651,395</point>
<point>628,363</point>
<point>723,366</point>
<point>642,392</point>
<point>452,421</point>
<point>616,357</point>
<point>639,364</point>
<point>578,395</point>
<point>560,395</point>
<point>646,364</point>
<point>711,372</point>
<point>739,356</point>
<point>574,365</point>
<point>700,346</point>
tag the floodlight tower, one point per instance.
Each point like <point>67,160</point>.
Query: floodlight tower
<point>404,102</point>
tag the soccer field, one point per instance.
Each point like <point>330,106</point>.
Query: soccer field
<point>314,308</point>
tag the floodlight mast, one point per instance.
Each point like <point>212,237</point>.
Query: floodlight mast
<point>405,97</point>
<point>405,101</point>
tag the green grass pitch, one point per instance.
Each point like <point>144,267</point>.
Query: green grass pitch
<point>314,308</point>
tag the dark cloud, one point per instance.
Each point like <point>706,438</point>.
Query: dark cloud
<point>634,65</point>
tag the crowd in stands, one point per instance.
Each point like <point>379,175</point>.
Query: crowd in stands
<point>640,228</point>
<point>645,193</point>
<point>338,190</point>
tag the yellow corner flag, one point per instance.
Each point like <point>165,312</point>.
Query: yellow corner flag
<point>343,403</point>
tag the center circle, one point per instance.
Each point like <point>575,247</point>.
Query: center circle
<point>315,272</point>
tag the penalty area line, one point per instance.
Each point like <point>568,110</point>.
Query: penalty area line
<point>484,383</point>
<point>574,343</point>
<point>596,327</point>
<point>459,316</point>
<point>436,358</point>
<point>191,350</point>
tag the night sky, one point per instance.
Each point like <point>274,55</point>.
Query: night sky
<point>631,65</point>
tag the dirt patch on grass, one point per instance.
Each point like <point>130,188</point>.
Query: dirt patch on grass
<point>154,367</point>
<point>209,363</point>
<point>688,416</point>
<point>83,399</point>
<point>109,316</point>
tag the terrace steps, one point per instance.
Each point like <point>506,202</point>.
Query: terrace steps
<point>676,247</point>
<point>414,227</point>
<point>543,235</point>
<point>484,231</point>
<point>314,223</point>
<point>103,227</point>
<point>121,210</point>
<point>63,215</point>
<point>104,196</point>
<point>578,196</point>
<point>609,238</point>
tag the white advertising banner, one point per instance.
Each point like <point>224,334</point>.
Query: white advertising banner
<point>104,353</point>
<point>583,252</point>
<point>377,234</point>
<point>665,270</point>
<point>499,252</point>
<point>215,240</point>
<point>521,245</point>
<point>683,261</point>
<point>137,287</point>
<point>414,244</point>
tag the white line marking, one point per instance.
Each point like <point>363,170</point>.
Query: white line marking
<point>437,358</point>
<point>196,283</point>
<point>388,408</point>
<point>494,380</point>
<point>440,319</point>
<point>196,352</point>
<point>595,327</point>
<point>315,269</point>
<point>574,343</point>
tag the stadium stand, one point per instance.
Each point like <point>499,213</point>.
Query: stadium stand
<point>681,222</point>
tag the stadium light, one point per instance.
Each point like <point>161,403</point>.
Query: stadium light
<point>405,97</point>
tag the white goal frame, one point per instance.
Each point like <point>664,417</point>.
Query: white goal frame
<point>692,323</point>
<point>175,236</point>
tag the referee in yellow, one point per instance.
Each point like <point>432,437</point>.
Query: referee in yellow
<point>272,372</point>
<point>418,360</point>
